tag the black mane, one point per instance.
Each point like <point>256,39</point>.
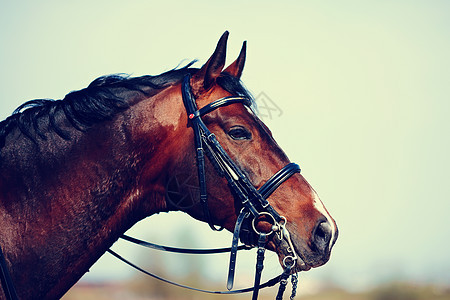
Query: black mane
<point>100,101</point>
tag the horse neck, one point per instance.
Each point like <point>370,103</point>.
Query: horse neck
<point>62,207</point>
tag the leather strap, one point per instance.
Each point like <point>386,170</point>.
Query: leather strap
<point>283,282</point>
<point>6,280</point>
<point>262,240</point>
<point>234,247</point>
<point>191,107</point>
<point>269,283</point>
<point>225,101</point>
<point>180,250</point>
<point>278,178</point>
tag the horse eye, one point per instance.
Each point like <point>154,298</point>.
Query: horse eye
<point>239,133</point>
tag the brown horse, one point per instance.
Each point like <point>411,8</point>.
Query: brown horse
<point>76,173</point>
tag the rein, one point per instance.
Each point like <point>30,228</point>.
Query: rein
<point>280,278</point>
<point>149,245</point>
<point>255,207</point>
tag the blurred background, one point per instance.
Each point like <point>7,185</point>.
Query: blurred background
<point>356,92</point>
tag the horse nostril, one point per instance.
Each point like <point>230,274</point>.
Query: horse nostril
<point>322,236</point>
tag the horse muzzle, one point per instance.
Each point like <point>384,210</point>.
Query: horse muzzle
<point>302,256</point>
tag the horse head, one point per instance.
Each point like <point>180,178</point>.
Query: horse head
<point>253,150</point>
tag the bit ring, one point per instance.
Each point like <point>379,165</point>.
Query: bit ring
<point>274,223</point>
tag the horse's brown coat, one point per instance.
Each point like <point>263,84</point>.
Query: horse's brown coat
<point>63,203</point>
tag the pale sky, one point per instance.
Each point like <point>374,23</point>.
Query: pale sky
<point>363,88</point>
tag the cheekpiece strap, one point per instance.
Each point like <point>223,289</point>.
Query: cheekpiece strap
<point>191,107</point>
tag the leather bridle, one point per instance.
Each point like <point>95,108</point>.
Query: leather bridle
<point>254,202</point>
<point>255,207</point>
<point>6,280</point>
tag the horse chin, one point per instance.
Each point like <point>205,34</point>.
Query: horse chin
<point>284,252</point>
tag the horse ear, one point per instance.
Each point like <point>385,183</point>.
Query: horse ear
<point>236,68</point>
<point>214,66</point>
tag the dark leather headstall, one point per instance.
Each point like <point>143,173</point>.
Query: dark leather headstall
<point>255,207</point>
<point>254,202</point>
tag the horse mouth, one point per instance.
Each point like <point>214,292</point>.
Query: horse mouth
<point>291,250</point>
<point>286,255</point>
<point>289,253</point>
